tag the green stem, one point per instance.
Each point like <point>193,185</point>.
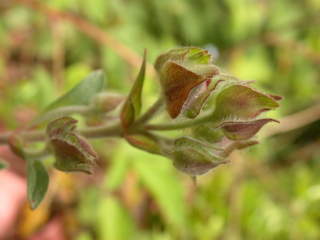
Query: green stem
<point>150,112</point>
<point>102,131</point>
<point>37,154</point>
<point>179,125</point>
<point>90,132</point>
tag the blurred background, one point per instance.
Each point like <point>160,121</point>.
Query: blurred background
<point>270,191</point>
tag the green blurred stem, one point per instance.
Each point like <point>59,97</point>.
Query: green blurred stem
<point>181,125</point>
<point>37,154</point>
<point>114,130</point>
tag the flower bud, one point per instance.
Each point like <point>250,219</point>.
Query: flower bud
<point>180,71</point>
<point>72,151</point>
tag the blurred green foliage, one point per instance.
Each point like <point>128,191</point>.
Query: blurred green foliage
<point>271,191</point>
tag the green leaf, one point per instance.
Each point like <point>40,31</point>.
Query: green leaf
<point>107,101</point>
<point>132,107</point>
<point>3,165</point>
<point>117,171</point>
<point>38,180</point>
<point>113,221</point>
<point>161,181</point>
<point>72,151</point>
<point>80,95</point>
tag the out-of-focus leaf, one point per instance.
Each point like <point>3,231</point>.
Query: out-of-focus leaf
<point>38,181</point>
<point>117,171</point>
<point>158,177</point>
<point>194,157</point>
<point>132,107</point>
<point>241,102</point>
<point>245,129</point>
<point>84,236</point>
<point>3,165</point>
<point>113,222</point>
<point>80,95</point>
<point>106,101</point>
<point>72,151</point>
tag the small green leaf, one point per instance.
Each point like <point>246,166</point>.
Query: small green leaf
<point>72,151</point>
<point>107,101</point>
<point>80,95</point>
<point>3,165</point>
<point>38,180</point>
<point>132,107</point>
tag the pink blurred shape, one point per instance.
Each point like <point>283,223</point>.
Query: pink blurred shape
<point>51,231</point>
<point>12,196</point>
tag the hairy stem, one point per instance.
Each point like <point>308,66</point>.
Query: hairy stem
<point>178,125</point>
<point>90,132</point>
<point>150,112</point>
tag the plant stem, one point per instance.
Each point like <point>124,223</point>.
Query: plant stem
<point>102,131</point>
<point>90,132</point>
<point>150,112</point>
<point>178,125</point>
<point>37,154</point>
